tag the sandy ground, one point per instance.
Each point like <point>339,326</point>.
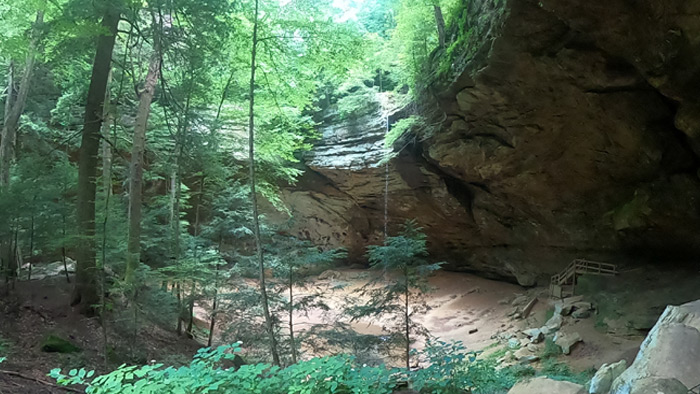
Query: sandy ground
<point>470,309</point>
<point>463,307</point>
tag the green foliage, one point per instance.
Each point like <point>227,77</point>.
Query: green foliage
<point>488,379</point>
<point>553,369</point>
<point>206,374</point>
<point>401,127</point>
<point>357,101</point>
<point>551,349</point>
<point>4,345</point>
<point>447,371</point>
<point>402,298</point>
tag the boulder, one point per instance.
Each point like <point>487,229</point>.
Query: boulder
<point>582,310</point>
<point>528,308</point>
<point>535,335</point>
<point>554,323</point>
<point>525,356</point>
<point>546,386</point>
<point>604,377</point>
<point>520,300</point>
<point>566,341</point>
<point>56,268</point>
<point>670,351</point>
<point>658,386</point>
<point>566,306</point>
<point>513,343</point>
<point>582,305</point>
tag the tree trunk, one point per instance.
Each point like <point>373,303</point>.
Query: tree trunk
<point>107,163</point>
<point>31,243</point>
<point>10,97</point>
<point>292,341</point>
<point>190,315</point>
<point>407,322</point>
<point>440,21</point>
<point>215,301</point>
<point>106,147</point>
<point>175,223</point>
<point>136,176</point>
<point>63,248</point>
<point>9,130</point>
<point>254,198</point>
<point>85,293</point>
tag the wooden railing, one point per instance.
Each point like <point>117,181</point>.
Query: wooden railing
<point>567,278</point>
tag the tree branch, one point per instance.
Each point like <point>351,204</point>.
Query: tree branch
<point>44,382</point>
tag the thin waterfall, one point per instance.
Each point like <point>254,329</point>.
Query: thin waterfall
<point>386,184</point>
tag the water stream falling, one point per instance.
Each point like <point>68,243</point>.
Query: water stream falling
<point>386,184</point>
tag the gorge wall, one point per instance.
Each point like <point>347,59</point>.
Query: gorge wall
<point>571,129</point>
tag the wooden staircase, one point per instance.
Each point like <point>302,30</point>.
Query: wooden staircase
<point>564,284</point>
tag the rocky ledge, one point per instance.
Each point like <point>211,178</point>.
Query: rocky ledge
<point>572,129</point>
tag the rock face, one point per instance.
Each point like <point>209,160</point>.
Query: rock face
<point>604,377</point>
<point>571,129</point>
<point>544,385</point>
<point>671,352</point>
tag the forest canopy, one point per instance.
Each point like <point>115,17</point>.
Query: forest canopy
<point>148,140</point>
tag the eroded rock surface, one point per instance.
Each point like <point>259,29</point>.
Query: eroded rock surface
<point>670,352</point>
<point>571,130</point>
<point>544,385</point>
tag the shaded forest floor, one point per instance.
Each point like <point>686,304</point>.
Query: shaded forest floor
<point>39,308</point>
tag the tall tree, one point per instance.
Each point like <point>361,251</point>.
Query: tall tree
<point>440,21</point>
<point>402,298</point>
<point>15,106</point>
<point>85,293</point>
<point>269,324</point>
<point>139,146</point>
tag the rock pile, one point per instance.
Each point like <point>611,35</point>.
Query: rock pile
<point>525,346</point>
<point>668,361</point>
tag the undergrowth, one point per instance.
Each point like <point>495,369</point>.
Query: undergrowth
<point>450,370</point>
<point>4,345</point>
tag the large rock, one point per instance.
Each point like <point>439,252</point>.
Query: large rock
<point>546,386</point>
<point>670,351</point>
<point>566,133</point>
<point>657,386</point>
<point>604,377</point>
<point>566,341</point>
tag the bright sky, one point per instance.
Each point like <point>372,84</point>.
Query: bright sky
<point>349,8</point>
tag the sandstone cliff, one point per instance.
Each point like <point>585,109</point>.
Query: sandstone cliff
<point>571,129</point>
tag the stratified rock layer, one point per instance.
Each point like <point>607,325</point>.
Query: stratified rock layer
<point>572,131</point>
